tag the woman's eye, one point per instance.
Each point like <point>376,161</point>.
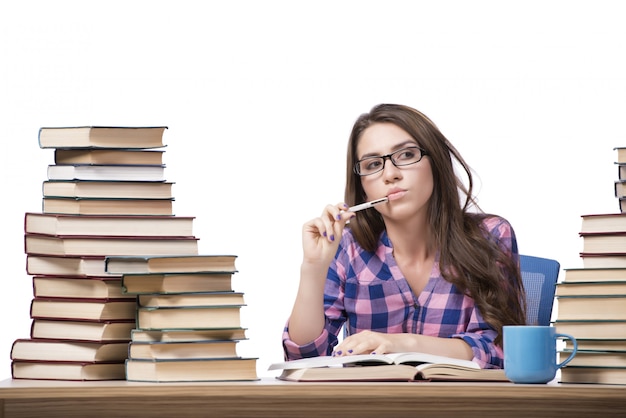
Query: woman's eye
<point>407,155</point>
<point>372,165</point>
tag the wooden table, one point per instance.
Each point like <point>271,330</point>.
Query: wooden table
<point>272,398</point>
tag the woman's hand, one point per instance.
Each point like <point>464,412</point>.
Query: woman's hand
<point>369,342</point>
<point>320,236</point>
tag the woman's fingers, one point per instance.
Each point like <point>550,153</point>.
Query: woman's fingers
<point>334,219</point>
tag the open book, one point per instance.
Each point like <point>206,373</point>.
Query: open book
<point>387,367</point>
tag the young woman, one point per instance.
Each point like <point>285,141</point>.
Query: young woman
<point>426,271</point>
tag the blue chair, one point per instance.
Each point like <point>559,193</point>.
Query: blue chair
<point>540,276</point>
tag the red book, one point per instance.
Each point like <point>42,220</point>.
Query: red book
<point>68,370</point>
<point>83,309</point>
<point>66,266</point>
<point>116,225</point>
<point>99,245</point>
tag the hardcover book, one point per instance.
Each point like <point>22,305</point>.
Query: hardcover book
<point>184,335</point>
<point>83,309</point>
<point>177,283</point>
<point>108,156</point>
<point>107,206</point>
<point>66,266</point>
<point>78,287</point>
<point>63,224</point>
<point>195,263</point>
<point>102,137</point>
<point>108,189</point>
<point>96,245</point>
<point>191,370</point>
<point>182,350</point>
<point>107,172</point>
<point>190,299</point>
<point>118,330</point>
<point>66,370</point>
<point>63,350</point>
<point>201,317</point>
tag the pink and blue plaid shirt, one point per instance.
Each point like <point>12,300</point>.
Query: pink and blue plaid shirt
<point>367,291</point>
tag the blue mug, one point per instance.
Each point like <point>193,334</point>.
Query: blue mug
<point>530,353</point>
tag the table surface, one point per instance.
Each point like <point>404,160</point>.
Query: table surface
<point>272,397</point>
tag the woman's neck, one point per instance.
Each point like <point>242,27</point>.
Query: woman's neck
<point>412,240</point>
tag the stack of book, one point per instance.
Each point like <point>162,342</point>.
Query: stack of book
<point>591,300</point>
<point>188,318</point>
<point>105,195</point>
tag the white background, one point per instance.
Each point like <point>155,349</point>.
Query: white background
<point>260,96</point>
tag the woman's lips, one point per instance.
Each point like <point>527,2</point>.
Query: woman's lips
<point>395,195</point>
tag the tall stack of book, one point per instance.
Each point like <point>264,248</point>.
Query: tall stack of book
<point>105,195</point>
<point>188,318</point>
<point>591,300</point>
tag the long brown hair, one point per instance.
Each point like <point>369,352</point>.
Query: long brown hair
<point>470,260</point>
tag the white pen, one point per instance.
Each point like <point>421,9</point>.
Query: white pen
<point>368,205</point>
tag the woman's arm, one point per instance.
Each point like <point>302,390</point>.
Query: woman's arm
<point>320,240</point>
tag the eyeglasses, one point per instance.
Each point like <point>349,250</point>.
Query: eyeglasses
<point>402,157</point>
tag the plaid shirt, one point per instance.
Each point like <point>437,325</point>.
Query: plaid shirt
<point>369,291</point>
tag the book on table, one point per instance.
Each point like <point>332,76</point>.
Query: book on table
<point>124,137</point>
<point>595,358</point>
<point>196,299</point>
<point>385,367</point>
<point>192,370</point>
<point>83,309</point>
<point>595,274</point>
<point>188,335</point>
<point>78,287</point>
<point>196,263</point>
<point>65,350</point>
<point>607,308</point>
<point>107,156</point>
<point>596,288</point>
<point>177,283</point>
<point>592,329</point>
<point>603,223</point>
<point>90,225</point>
<point>106,172</point>
<point>593,375</point>
<point>107,206</point>
<point>96,245</point>
<point>604,243</point>
<point>189,317</point>
<point>603,260</point>
<point>619,189</point>
<point>108,189</point>
<point>118,330</point>
<point>66,265</point>
<point>598,345</point>
<point>169,350</point>
<point>67,370</point>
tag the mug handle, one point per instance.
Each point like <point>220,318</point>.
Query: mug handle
<point>574,350</point>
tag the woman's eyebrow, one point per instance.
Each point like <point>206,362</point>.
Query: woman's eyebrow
<point>407,143</point>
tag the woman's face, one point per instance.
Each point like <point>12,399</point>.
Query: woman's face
<point>408,187</point>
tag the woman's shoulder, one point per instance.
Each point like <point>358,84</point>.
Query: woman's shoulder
<point>496,225</point>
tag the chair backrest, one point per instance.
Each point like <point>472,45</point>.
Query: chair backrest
<point>540,276</point>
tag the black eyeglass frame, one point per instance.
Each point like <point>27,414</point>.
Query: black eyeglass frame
<point>390,158</point>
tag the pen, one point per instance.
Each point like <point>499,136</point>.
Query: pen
<point>367,205</point>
